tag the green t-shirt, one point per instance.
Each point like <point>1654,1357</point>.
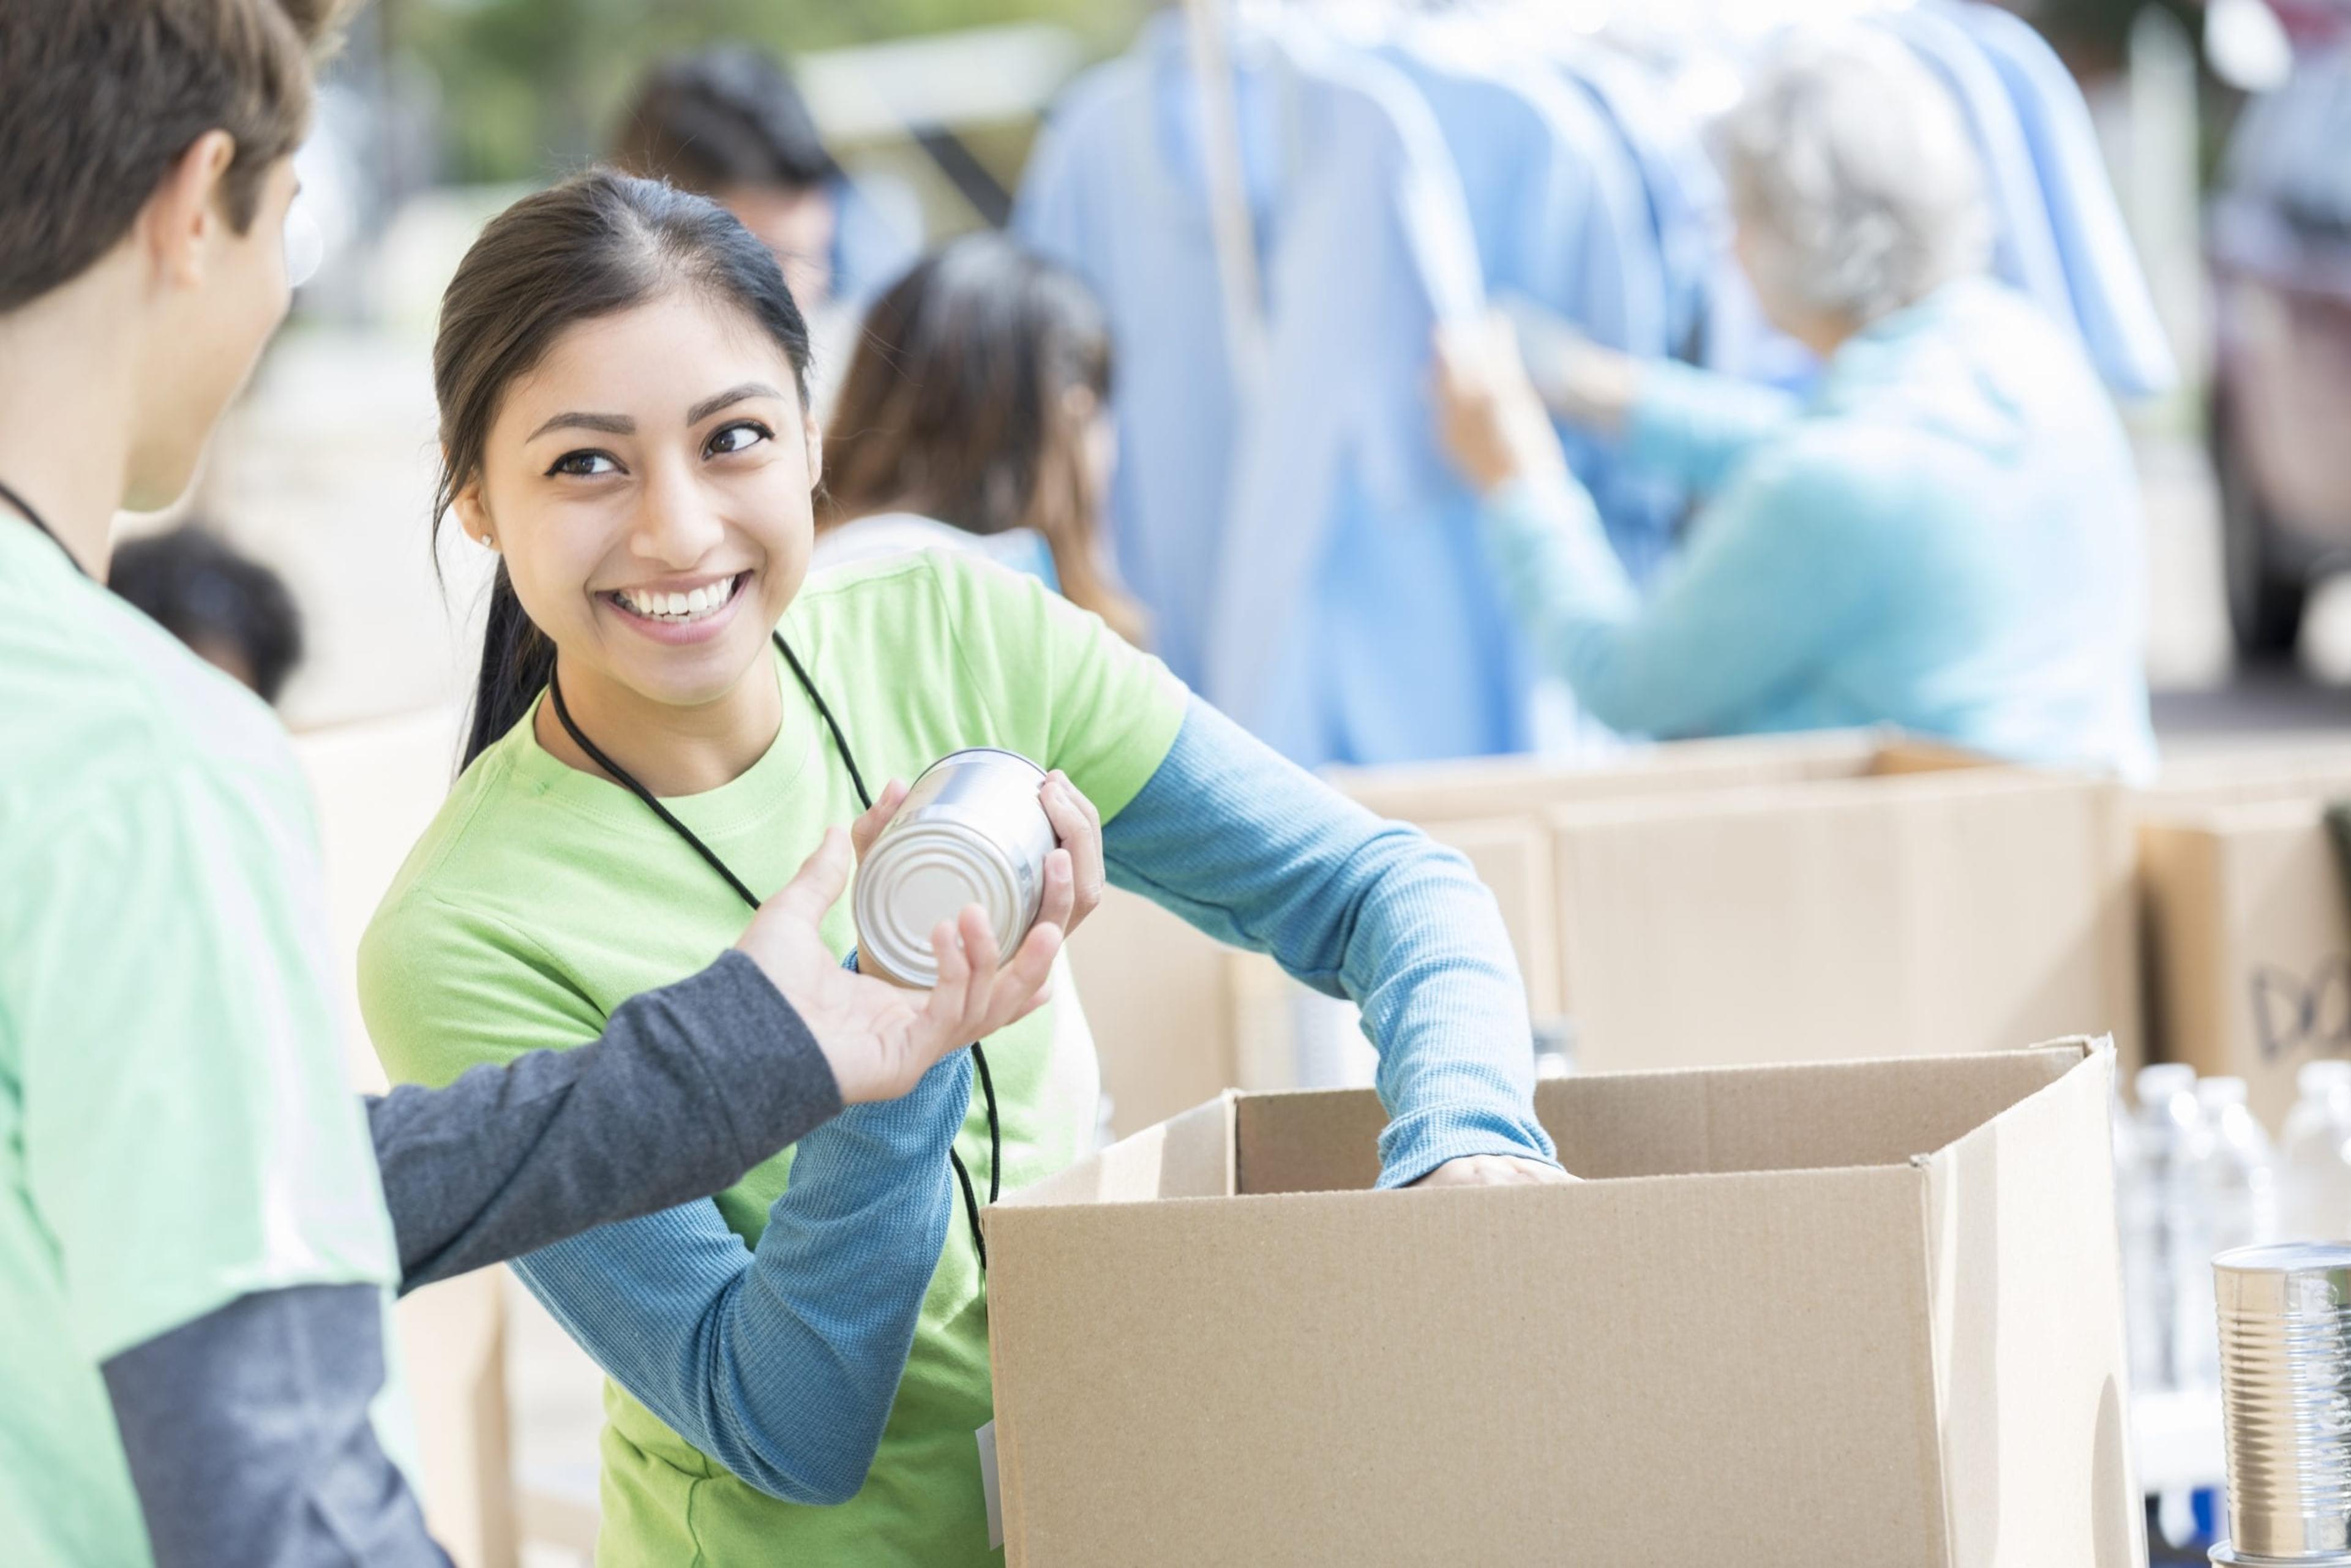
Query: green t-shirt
<point>542,897</point>
<point>176,1129</point>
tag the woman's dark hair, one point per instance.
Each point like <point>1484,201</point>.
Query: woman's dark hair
<point>722,116</point>
<point>592,246</point>
<point>956,405</point>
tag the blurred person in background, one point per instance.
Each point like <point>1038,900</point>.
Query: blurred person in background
<point>975,416</point>
<point>1946,535</point>
<point>729,123</point>
<point>200,1227</point>
<point>671,707</point>
<point>231,611</point>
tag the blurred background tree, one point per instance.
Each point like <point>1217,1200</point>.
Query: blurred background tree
<point>528,86</point>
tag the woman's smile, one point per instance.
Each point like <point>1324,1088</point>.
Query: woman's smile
<point>678,611</point>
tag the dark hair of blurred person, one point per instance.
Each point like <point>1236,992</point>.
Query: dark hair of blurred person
<point>728,123</point>
<point>231,610</point>
<point>979,397</point>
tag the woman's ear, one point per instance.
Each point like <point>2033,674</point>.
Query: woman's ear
<point>814,436</point>
<point>473,515</point>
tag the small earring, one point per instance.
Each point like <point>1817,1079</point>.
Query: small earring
<point>489,541</point>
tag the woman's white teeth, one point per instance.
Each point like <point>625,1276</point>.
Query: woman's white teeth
<point>691,606</point>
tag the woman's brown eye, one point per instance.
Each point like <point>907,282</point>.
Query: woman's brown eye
<point>736,438</point>
<point>584,464</point>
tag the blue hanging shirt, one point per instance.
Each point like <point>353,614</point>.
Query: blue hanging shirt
<point>1558,217</point>
<point>1356,617</point>
<point>2108,290</point>
<point>1116,190</point>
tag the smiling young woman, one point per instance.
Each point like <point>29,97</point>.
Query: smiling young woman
<point>622,374</point>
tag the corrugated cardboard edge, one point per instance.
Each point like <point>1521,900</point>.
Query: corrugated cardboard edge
<point>1976,1382</point>
<point>2188,935</point>
<point>1193,1152</point>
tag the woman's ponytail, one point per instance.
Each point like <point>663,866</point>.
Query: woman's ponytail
<point>517,660</point>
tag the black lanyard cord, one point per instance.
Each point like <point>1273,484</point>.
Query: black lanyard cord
<point>627,781</point>
<point>41,526</point>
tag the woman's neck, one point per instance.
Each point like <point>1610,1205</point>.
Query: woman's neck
<point>671,751</point>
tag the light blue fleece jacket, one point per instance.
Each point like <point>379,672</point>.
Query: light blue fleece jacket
<point>781,1361</point>
<point>1948,538</point>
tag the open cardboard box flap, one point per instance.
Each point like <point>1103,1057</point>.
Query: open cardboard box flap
<point>1863,1312</point>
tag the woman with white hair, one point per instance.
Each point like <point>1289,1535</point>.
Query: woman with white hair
<point>1945,536</point>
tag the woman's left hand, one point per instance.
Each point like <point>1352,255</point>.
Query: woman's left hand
<point>1074,877</point>
<point>1494,1170</point>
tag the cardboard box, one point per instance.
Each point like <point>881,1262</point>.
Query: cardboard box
<point>1860,1313</point>
<point>1773,899</point>
<point>1949,910</point>
<point>1163,1003</point>
<point>1497,785</point>
<point>2248,923</point>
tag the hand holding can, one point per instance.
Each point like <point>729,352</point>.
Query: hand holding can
<point>980,826</point>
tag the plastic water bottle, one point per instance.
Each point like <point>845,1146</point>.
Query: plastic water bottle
<point>2314,1157</point>
<point>2137,1218</point>
<point>2232,1183</point>
<point>2154,1210</point>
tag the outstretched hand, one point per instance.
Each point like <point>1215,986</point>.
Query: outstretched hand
<point>1495,1170</point>
<point>880,1039</point>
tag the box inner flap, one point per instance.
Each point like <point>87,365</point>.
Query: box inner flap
<point>1705,1121</point>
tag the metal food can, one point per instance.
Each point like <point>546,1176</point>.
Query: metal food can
<point>2285,1392</point>
<point>971,830</point>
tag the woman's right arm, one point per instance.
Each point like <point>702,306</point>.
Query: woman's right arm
<point>1700,425</point>
<point>781,1361</point>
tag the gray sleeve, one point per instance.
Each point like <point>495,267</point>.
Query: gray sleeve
<point>249,1441</point>
<point>687,1088</point>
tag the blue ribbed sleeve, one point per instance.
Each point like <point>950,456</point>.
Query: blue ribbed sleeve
<point>1257,853</point>
<point>780,1362</point>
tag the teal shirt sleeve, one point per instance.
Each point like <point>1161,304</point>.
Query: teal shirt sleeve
<point>1778,571</point>
<point>1257,853</point>
<point>1696,425</point>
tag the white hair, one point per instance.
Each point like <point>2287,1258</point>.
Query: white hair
<point>1850,166</point>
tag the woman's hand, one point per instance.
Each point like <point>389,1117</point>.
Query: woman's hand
<point>880,1039</point>
<point>1489,415</point>
<point>1495,1170</point>
<point>1075,887</point>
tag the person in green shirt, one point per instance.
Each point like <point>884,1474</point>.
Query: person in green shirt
<point>200,1225</point>
<point>670,712</point>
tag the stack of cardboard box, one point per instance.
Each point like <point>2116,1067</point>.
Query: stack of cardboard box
<point>2247,926</point>
<point>1773,899</point>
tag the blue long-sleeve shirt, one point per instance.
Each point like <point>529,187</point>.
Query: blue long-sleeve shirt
<point>781,1361</point>
<point>1947,538</point>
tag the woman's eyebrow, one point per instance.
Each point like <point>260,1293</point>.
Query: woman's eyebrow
<point>711,405</point>
<point>610,423</point>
